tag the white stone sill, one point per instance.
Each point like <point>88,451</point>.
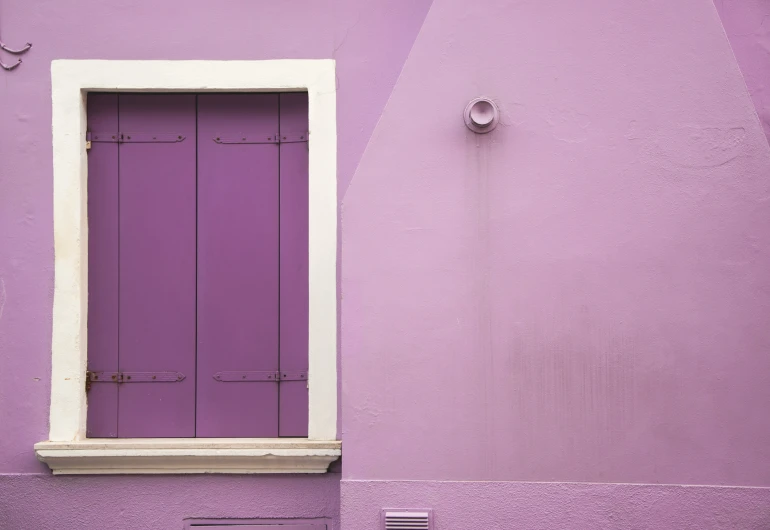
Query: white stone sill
<point>108,456</point>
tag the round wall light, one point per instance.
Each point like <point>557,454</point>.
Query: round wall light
<point>481,115</point>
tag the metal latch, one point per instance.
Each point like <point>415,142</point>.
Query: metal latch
<point>132,377</point>
<point>277,138</point>
<point>131,138</point>
<point>247,376</point>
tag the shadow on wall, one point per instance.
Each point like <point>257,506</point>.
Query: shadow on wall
<point>747,24</point>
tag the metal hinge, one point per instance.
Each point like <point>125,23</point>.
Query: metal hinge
<point>247,376</point>
<point>132,377</point>
<point>131,138</point>
<point>285,138</point>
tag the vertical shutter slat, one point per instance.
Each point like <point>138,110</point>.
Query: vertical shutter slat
<point>294,265</point>
<point>157,265</point>
<point>103,266</point>
<point>237,263</point>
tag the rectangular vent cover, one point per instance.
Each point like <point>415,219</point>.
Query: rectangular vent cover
<point>407,520</point>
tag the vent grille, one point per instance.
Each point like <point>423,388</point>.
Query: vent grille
<point>406,520</point>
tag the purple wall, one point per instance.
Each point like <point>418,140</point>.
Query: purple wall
<point>579,296</point>
<point>747,24</point>
<point>159,502</point>
<point>352,31</point>
<point>561,506</point>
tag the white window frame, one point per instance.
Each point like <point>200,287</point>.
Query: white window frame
<point>67,450</point>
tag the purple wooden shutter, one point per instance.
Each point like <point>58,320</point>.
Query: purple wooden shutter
<point>293,416</point>
<point>103,264</point>
<point>157,263</point>
<point>238,218</point>
<point>243,290</point>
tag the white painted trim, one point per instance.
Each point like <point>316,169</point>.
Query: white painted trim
<point>71,80</point>
<point>187,455</point>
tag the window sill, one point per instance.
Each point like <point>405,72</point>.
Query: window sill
<point>97,456</point>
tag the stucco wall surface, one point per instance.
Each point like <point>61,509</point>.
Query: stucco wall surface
<point>747,24</point>
<point>582,294</point>
<point>549,506</point>
<point>29,502</point>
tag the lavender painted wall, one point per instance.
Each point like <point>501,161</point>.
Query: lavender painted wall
<point>581,295</point>
<point>32,502</point>
<point>565,506</point>
<point>351,31</point>
<point>747,24</point>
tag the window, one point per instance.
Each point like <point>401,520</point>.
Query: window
<point>68,450</point>
<point>198,265</point>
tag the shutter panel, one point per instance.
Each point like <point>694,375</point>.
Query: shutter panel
<point>237,264</point>
<point>294,264</point>
<point>157,263</point>
<point>103,265</point>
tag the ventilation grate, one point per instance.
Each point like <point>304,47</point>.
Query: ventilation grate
<point>406,520</point>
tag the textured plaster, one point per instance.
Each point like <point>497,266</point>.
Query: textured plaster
<point>160,502</point>
<point>583,293</point>
<point>580,295</point>
<point>747,24</point>
<point>551,506</point>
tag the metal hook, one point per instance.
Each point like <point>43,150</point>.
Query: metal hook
<point>10,66</point>
<point>13,51</point>
<point>4,46</point>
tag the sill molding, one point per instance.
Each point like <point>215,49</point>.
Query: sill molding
<point>130,456</point>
